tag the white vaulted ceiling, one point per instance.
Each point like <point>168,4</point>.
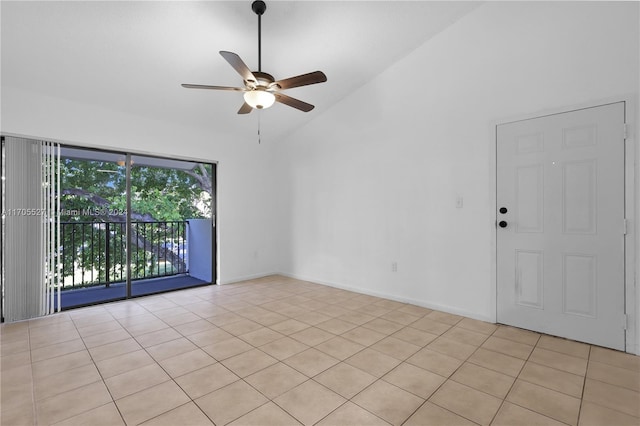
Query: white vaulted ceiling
<point>133,56</point>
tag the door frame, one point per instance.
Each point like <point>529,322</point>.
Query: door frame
<point>631,208</point>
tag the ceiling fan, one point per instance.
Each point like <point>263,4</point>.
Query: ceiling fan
<point>260,89</point>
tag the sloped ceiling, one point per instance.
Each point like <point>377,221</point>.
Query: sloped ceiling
<point>132,56</point>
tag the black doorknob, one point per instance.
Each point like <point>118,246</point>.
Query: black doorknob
<point>502,224</point>
<point>503,210</point>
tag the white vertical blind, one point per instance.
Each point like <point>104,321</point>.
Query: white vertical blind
<point>51,226</point>
<point>31,228</point>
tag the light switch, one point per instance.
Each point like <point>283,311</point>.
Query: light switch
<point>459,202</point>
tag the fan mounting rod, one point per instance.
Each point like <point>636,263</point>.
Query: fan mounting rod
<point>259,7</point>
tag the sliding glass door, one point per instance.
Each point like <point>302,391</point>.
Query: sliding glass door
<point>126,225</point>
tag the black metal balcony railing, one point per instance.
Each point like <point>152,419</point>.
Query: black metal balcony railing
<point>94,253</point>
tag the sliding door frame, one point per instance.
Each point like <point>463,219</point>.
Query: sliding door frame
<point>214,223</point>
<point>128,222</point>
<point>2,248</point>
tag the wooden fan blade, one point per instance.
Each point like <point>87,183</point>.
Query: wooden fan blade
<point>302,80</point>
<point>292,102</point>
<point>200,86</point>
<point>245,109</point>
<point>238,65</point>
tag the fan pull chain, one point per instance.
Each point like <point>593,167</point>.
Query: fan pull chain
<point>259,116</point>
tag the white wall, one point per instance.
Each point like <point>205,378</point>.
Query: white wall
<point>245,184</point>
<point>375,179</point>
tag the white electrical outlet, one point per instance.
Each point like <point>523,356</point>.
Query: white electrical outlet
<point>459,202</point>
<point>394,266</point>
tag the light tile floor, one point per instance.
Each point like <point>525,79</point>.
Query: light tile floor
<point>277,351</point>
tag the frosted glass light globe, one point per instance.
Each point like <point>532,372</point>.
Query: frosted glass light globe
<point>259,98</point>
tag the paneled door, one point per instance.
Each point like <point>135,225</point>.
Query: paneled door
<point>560,225</point>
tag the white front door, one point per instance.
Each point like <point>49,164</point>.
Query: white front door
<point>560,217</point>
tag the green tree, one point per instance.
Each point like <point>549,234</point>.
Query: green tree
<point>93,197</point>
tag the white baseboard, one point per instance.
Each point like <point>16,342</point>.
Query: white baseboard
<point>422,303</point>
<point>247,277</point>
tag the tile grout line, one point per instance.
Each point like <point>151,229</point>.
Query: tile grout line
<point>171,378</point>
<point>451,375</point>
<point>595,403</point>
<point>113,401</point>
<point>35,402</point>
<point>34,407</point>
<point>584,386</point>
<point>446,378</point>
<point>514,382</point>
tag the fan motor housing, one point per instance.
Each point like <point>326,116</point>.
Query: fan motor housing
<point>264,79</point>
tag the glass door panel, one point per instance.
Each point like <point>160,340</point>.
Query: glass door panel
<point>93,226</point>
<point>171,224</point>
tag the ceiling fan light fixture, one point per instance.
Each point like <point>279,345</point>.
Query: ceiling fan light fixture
<point>259,98</point>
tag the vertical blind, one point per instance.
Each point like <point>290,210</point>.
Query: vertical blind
<point>31,225</point>
<point>51,227</point>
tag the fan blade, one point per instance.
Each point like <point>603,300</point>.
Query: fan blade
<point>292,102</point>
<point>238,65</point>
<point>302,80</point>
<point>245,109</point>
<point>200,86</point>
